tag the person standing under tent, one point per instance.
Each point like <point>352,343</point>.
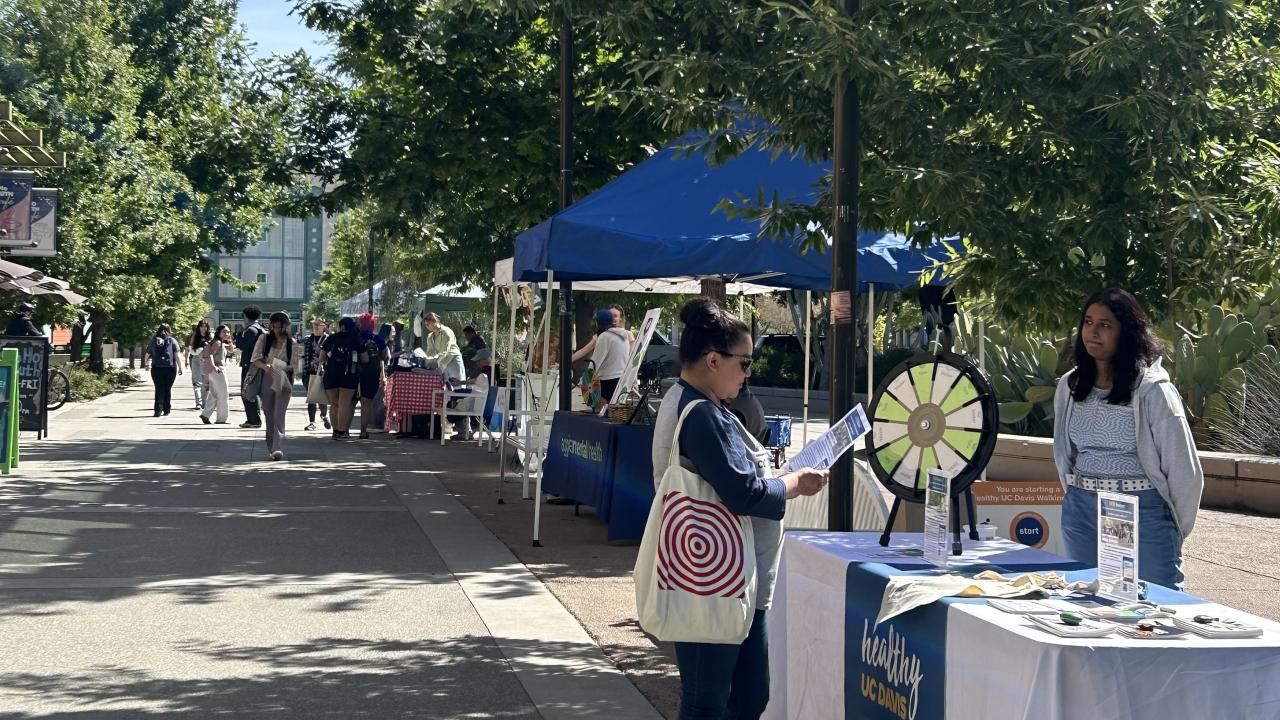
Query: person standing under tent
<point>473,339</point>
<point>311,367</point>
<point>196,344</point>
<point>340,359</point>
<point>214,361</point>
<point>442,348</point>
<point>1120,427</point>
<point>276,355</point>
<point>620,321</point>
<point>611,354</point>
<point>726,680</point>
<point>166,365</point>
<point>246,341</point>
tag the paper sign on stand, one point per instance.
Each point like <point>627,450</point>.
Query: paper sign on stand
<point>937,513</point>
<point>1118,546</point>
<point>632,373</point>
<point>823,452</point>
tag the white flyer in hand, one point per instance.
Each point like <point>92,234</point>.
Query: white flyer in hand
<point>1118,546</point>
<point>937,511</point>
<point>823,452</point>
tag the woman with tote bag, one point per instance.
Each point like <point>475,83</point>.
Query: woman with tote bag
<point>707,564</point>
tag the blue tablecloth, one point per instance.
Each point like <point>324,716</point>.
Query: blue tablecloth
<point>604,465</point>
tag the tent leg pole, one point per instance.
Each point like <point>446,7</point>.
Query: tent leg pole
<point>871,337</point>
<point>808,348</point>
<point>508,403</point>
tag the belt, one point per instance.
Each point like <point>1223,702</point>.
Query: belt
<point>1091,484</point>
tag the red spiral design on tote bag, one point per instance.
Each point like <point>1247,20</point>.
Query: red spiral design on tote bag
<point>700,550</point>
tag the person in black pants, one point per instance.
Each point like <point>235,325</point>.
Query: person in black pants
<point>245,343</point>
<point>311,367</point>
<point>166,365</point>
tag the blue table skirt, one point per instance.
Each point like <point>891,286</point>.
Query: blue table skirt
<point>603,465</point>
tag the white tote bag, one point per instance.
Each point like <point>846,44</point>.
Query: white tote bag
<point>315,391</point>
<point>696,573</point>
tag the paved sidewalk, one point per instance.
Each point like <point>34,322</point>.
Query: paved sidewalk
<point>161,567</point>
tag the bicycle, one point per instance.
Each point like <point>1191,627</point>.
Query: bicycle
<point>58,386</point>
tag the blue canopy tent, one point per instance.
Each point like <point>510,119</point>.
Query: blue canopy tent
<point>659,220</point>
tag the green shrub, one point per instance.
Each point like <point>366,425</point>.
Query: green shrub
<point>87,385</point>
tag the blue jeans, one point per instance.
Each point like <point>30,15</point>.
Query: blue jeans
<point>1159,543</point>
<point>725,681</point>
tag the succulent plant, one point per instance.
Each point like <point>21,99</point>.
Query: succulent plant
<point>1206,369</point>
<point>1024,372</point>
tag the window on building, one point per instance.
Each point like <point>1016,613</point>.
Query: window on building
<point>261,278</point>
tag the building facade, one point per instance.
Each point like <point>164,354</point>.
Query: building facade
<point>283,265</point>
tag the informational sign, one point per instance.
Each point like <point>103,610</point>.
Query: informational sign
<point>1118,546</point>
<point>15,207</point>
<point>823,452</point>
<point>44,225</point>
<point>33,366</point>
<point>1028,512</point>
<point>8,389</point>
<point>629,376</point>
<point>937,513</point>
<point>841,307</point>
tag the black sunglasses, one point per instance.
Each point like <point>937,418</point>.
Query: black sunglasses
<point>743,360</point>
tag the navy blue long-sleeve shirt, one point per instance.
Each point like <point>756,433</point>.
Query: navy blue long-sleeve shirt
<point>712,445</point>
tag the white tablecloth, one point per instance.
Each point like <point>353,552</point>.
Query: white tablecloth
<point>998,667</point>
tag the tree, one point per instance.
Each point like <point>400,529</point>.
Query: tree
<point>147,107</point>
<point>1073,146</point>
<point>447,122</point>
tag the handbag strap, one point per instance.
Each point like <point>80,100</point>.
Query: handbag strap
<point>674,457</point>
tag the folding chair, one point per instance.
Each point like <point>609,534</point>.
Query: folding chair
<point>470,404</point>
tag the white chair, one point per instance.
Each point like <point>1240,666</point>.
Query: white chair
<point>470,405</point>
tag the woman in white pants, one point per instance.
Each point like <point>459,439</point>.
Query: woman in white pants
<point>199,340</point>
<point>214,361</point>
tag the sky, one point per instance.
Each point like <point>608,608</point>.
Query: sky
<point>271,27</point>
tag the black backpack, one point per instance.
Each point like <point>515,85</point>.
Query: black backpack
<point>162,356</point>
<point>342,359</point>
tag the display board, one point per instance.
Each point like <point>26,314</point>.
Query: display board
<point>8,410</point>
<point>44,225</point>
<point>32,377</point>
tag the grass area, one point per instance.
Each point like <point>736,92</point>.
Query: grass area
<point>87,385</point>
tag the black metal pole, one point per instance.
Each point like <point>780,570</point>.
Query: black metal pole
<point>844,282</point>
<point>567,62</point>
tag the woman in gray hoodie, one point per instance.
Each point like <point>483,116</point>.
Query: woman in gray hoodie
<point>1119,426</point>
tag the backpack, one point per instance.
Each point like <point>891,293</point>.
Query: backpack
<point>162,356</point>
<point>342,359</point>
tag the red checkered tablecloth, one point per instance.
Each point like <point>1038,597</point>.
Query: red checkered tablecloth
<point>409,393</point>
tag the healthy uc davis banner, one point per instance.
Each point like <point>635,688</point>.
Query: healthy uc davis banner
<point>15,207</point>
<point>897,670</point>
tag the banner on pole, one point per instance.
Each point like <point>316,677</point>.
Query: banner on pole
<point>44,224</point>
<point>15,207</point>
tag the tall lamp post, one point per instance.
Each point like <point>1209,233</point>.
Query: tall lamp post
<point>844,281</point>
<point>566,199</point>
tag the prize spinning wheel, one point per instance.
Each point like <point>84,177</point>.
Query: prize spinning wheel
<point>931,412</point>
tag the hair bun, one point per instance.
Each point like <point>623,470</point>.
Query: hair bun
<point>702,312</point>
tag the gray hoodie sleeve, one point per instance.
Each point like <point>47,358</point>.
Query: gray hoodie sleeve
<point>1172,440</point>
<point>1063,456</point>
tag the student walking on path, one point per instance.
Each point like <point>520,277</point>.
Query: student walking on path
<point>339,357</point>
<point>373,363</point>
<point>275,356</point>
<point>245,343</point>
<point>311,367</point>
<point>165,357</point>
<point>214,363</point>
<point>200,338</point>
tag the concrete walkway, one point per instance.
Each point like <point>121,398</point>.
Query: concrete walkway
<point>161,567</point>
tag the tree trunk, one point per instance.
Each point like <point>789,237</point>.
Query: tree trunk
<point>715,290</point>
<point>77,342</point>
<point>97,327</point>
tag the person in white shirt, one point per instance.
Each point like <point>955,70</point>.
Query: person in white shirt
<point>613,350</point>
